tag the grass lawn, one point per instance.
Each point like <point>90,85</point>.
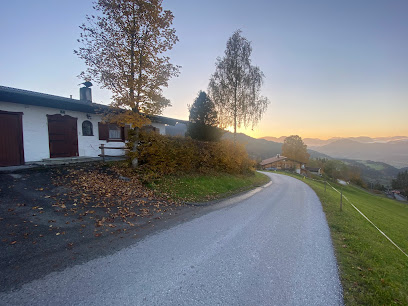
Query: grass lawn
<point>374,166</point>
<point>204,187</point>
<point>373,271</point>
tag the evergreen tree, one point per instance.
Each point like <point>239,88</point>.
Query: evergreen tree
<point>203,119</point>
<point>401,182</point>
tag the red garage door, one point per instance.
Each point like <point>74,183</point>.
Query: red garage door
<point>11,139</point>
<point>63,136</point>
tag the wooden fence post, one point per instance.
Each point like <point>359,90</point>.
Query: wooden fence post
<point>103,152</point>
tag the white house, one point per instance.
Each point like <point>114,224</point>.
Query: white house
<point>36,126</point>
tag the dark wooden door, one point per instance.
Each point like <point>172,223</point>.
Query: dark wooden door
<point>11,139</point>
<point>63,136</point>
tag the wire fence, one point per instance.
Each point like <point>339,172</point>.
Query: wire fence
<point>364,216</point>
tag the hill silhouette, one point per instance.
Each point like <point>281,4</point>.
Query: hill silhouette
<point>260,149</point>
<point>394,153</point>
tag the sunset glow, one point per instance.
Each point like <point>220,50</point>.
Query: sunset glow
<point>335,69</point>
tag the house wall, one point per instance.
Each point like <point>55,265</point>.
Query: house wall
<point>35,132</point>
<point>160,126</point>
<point>284,164</point>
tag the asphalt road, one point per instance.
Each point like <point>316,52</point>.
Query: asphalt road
<point>272,248</point>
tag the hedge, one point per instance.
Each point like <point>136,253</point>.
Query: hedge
<point>160,155</point>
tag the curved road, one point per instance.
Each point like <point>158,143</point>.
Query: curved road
<point>272,248</point>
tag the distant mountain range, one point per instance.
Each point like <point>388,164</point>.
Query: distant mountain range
<point>373,169</point>
<point>390,150</point>
<point>394,153</point>
<point>375,172</point>
<point>260,149</point>
<point>316,142</point>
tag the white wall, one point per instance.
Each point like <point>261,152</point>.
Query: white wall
<point>35,132</point>
<point>160,126</point>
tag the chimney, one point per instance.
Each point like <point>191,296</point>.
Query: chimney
<point>85,94</point>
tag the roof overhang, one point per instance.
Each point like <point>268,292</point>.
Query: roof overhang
<point>20,96</point>
<point>14,95</point>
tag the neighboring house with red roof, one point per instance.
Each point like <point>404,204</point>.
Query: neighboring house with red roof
<point>281,163</point>
<point>36,126</point>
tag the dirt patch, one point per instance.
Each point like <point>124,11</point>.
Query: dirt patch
<point>51,219</point>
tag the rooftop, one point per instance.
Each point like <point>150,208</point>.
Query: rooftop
<point>21,96</point>
<point>272,160</point>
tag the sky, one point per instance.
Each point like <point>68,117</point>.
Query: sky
<point>332,68</point>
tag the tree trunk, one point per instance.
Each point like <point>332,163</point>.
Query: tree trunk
<point>132,62</point>
<point>235,116</point>
<point>135,161</point>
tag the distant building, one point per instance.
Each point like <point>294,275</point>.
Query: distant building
<point>315,171</point>
<point>280,162</point>
<point>179,129</point>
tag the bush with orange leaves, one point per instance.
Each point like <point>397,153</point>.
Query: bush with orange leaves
<point>160,155</point>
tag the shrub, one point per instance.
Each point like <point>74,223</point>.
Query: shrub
<point>160,155</point>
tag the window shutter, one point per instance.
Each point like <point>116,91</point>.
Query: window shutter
<point>103,131</point>
<point>122,133</point>
<point>126,132</point>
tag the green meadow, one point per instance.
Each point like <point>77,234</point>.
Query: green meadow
<point>206,187</point>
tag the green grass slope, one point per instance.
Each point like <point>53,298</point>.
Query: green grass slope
<point>374,172</point>
<point>206,187</point>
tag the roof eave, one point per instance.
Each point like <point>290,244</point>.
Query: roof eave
<point>52,102</point>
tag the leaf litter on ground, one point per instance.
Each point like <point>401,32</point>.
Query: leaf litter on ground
<point>106,197</point>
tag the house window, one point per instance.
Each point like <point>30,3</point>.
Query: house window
<point>114,132</point>
<point>87,129</point>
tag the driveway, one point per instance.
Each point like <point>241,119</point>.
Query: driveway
<point>273,248</point>
<point>55,218</point>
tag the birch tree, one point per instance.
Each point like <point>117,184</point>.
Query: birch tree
<point>235,87</point>
<point>124,46</point>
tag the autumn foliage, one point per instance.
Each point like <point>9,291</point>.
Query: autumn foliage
<point>160,155</point>
<point>124,45</point>
<point>293,147</point>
